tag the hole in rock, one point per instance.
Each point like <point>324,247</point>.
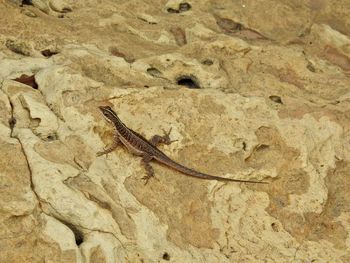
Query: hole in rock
<point>27,80</point>
<point>207,62</point>
<point>183,7</point>
<point>52,137</point>
<point>12,122</point>
<point>48,53</point>
<point>78,235</point>
<point>27,2</point>
<point>166,256</point>
<point>276,99</point>
<point>188,81</point>
<point>154,72</point>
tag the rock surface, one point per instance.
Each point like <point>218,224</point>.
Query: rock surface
<point>255,90</point>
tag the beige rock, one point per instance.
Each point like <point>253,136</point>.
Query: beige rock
<point>42,5</point>
<point>64,237</point>
<point>251,91</point>
<point>61,5</point>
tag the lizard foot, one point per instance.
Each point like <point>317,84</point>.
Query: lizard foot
<point>165,139</point>
<point>115,144</point>
<point>146,178</point>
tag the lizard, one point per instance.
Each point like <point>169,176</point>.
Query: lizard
<point>147,149</point>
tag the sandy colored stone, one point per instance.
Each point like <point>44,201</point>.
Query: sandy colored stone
<point>252,90</point>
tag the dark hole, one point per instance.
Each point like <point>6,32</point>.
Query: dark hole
<point>27,2</point>
<point>78,238</point>
<point>52,137</point>
<point>66,10</point>
<point>12,122</point>
<point>27,80</point>
<point>78,235</point>
<point>48,53</point>
<point>171,10</point>
<point>207,62</point>
<point>188,82</point>
<point>276,99</point>
<point>154,72</point>
<point>184,7</point>
<point>274,227</point>
<point>244,146</point>
<point>166,256</point>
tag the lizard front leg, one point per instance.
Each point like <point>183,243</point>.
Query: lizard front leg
<point>111,148</point>
<point>149,169</point>
<point>158,139</point>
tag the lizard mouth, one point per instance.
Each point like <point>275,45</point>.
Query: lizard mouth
<point>103,108</point>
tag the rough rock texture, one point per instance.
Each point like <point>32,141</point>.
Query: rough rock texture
<point>254,90</point>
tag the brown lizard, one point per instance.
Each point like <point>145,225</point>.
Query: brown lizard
<point>140,146</point>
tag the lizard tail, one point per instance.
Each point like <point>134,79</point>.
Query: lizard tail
<point>190,172</point>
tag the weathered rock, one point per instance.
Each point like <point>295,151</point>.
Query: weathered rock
<point>250,91</point>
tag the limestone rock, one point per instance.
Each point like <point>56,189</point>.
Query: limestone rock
<point>251,91</point>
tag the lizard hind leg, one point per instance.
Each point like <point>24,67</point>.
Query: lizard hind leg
<point>149,169</point>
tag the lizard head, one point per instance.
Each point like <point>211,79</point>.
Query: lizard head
<point>108,113</point>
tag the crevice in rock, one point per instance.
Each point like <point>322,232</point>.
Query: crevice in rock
<point>78,235</point>
<point>57,215</point>
<point>32,186</point>
<point>244,146</point>
<point>27,80</point>
<point>26,2</point>
<point>69,178</point>
<point>12,121</point>
<point>296,252</point>
<point>30,81</point>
